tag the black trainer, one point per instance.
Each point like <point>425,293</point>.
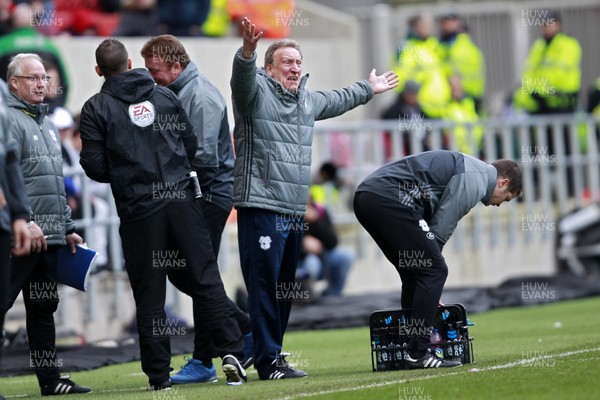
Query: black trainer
<point>281,369</point>
<point>63,385</point>
<point>166,385</point>
<point>236,375</point>
<point>430,360</point>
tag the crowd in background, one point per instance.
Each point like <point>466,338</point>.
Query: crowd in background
<point>443,78</point>
<point>148,17</point>
<point>441,71</point>
<point>440,78</point>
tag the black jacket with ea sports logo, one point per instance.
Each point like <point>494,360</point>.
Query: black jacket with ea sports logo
<point>137,137</point>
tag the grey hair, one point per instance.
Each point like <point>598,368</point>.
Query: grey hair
<point>277,45</point>
<point>14,67</point>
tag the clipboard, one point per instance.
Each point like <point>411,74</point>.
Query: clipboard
<point>74,269</point>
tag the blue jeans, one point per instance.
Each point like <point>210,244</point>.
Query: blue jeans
<point>338,262</point>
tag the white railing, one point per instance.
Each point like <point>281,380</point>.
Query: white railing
<point>559,156</point>
<point>555,182</point>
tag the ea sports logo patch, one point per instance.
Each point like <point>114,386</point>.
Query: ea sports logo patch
<point>142,114</point>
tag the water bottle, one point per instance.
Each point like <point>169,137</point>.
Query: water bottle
<point>459,347</point>
<point>376,348</point>
<point>195,184</point>
<point>453,347</point>
<point>455,344</point>
<point>436,340</point>
<point>383,354</point>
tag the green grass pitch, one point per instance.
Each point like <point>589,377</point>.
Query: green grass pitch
<point>550,351</point>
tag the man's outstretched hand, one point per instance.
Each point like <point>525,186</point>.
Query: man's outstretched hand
<point>250,37</point>
<point>383,83</point>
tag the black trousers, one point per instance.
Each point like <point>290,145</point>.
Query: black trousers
<point>35,275</point>
<point>403,236</point>
<point>175,242</point>
<point>204,349</point>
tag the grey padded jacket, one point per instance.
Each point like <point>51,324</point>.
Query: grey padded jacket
<point>273,135</point>
<point>207,111</point>
<point>11,176</point>
<point>38,149</point>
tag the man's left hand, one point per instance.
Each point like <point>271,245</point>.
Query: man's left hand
<point>22,236</point>
<point>383,83</point>
<point>73,240</point>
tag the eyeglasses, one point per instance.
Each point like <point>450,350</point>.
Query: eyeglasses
<point>35,78</point>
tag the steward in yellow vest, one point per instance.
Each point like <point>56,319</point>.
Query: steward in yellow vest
<point>461,57</point>
<point>467,139</point>
<point>417,59</point>
<point>552,77</point>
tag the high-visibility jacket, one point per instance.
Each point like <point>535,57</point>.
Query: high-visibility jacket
<point>461,57</point>
<point>218,21</point>
<point>418,60</point>
<point>325,194</point>
<point>464,111</point>
<point>552,76</point>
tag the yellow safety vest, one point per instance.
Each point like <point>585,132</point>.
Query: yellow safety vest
<point>464,111</point>
<point>552,73</point>
<point>464,59</point>
<point>218,21</point>
<point>419,61</point>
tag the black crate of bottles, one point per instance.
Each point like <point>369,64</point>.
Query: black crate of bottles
<point>391,331</point>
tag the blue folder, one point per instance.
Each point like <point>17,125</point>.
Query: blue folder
<point>74,269</point>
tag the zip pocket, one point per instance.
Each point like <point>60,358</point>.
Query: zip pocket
<point>267,172</point>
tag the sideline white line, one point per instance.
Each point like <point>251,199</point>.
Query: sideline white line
<point>539,358</point>
<point>381,384</point>
<point>139,389</point>
<point>18,382</point>
<point>462,370</point>
<point>136,374</point>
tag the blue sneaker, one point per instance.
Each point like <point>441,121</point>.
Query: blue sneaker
<point>194,372</point>
<point>248,351</point>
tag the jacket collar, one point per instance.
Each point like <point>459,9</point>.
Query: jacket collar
<point>190,73</point>
<point>36,111</point>
<point>492,176</point>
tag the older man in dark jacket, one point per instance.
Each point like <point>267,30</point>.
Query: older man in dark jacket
<point>50,225</point>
